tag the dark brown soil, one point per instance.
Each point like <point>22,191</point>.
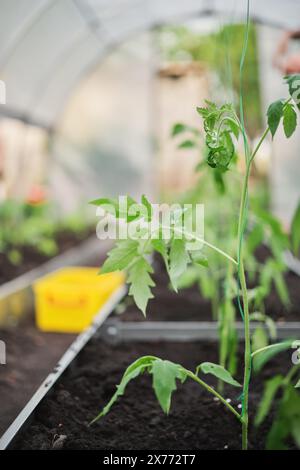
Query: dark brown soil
<point>196,420</point>
<point>30,356</point>
<point>189,305</point>
<point>31,258</point>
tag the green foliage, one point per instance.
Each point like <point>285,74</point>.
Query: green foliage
<point>220,52</point>
<point>280,109</point>
<point>262,356</point>
<point>219,372</point>
<point>134,370</point>
<point>178,261</point>
<point>289,120</point>
<point>275,113</point>
<point>121,256</point>
<point>164,381</point>
<point>165,374</point>
<point>222,127</point>
<point>271,387</point>
<point>287,421</point>
<point>133,255</point>
<point>37,227</point>
<point>220,124</point>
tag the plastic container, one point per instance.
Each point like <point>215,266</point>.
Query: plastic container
<point>68,299</point>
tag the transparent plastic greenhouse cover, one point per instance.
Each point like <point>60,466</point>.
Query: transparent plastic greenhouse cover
<point>46,46</point>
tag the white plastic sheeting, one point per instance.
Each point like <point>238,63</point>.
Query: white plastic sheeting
<point>46,46</point>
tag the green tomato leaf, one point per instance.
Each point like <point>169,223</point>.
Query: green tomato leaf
<point>271,387</point>
<point>261,357</point>
<point>141,283</point>
<point>274,113</point>
<point>297,384</point>
<point>289,120</point>
<point>165,374</point>
<point>136,368</point>
<point>198,257</point>
<point>219,372</point>
<point>179,259</point>
<point>120,256</point>
<point>259,338</point>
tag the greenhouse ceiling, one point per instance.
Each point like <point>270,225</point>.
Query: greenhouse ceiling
<point>46,46</point>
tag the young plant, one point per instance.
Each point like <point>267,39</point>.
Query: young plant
<point>222,126</point>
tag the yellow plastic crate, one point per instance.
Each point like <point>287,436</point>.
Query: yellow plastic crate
<point>68,299</point>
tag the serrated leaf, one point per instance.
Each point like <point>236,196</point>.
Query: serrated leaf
<point>135,369</point>
<point>295,231</point>
<point>165,374</point>
<point>178,260</point>
<point>289,120</point>
<point>274,113</point>
<point>218,371</point>
<point>270,389</point>
<point>261,357</point>
<point>140,283</point>
<point>120,256</point>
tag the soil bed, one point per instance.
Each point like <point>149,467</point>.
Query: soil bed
<point>189,305</point>
<point>31,355</point>
<point>196,420</point>
<point>31,258</point>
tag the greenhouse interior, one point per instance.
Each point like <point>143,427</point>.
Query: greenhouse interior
<point>149,227</point>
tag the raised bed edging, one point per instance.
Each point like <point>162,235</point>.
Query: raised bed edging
<point>115,330</point>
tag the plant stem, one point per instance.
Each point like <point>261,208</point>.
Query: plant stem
<point>214,392</point>
<point>242,279</point>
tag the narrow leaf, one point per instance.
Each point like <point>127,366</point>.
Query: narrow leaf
<point>187,144</point>
<point>270,390</point>
<point>274,113</point>
<point>178,128</point>
<point>261,357</point>
<point>179,259</point>
<point>289,120</point>
<point>219,372</point>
